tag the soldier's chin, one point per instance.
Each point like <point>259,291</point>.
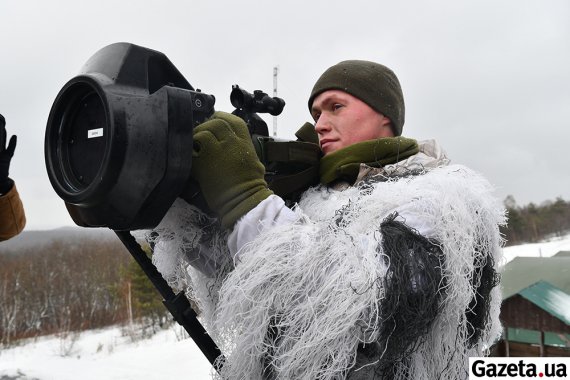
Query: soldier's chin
<point>329,147</point>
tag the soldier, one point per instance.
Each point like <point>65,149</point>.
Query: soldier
<point>387,269</point>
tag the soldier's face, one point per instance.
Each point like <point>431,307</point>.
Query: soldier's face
<point>342,120</point>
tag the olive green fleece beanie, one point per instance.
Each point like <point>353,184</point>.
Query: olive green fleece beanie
<point>373,83</point>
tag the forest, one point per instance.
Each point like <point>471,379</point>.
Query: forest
<point>68,286</point>
<point>532,223</point>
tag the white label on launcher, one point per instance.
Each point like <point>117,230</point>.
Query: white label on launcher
<point>92,133</point>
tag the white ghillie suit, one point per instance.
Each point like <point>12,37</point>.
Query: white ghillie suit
<point>393,277</point>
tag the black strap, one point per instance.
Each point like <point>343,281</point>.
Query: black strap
<point>288,184</point>
<point>292,151</point>
<point>291,166</point>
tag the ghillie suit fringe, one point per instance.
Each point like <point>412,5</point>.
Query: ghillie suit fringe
<point>192,255</point>
<point>349,289</point>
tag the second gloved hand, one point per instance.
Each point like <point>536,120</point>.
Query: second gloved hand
<point>6,153</point>
<point>226,166</point>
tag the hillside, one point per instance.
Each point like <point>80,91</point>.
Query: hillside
<point>37,239</point>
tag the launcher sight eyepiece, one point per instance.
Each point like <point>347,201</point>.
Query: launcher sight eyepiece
<point>249,105</point>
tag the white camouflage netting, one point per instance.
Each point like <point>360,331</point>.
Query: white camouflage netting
<point>316,281</point>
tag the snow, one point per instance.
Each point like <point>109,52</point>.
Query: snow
<point>106,354</point>
<point>109,354</point>
<point>543,249</point>
<point>559,302</point>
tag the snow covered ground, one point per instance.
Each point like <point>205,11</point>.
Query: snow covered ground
<point>108,354</point>
<point>544,249</point>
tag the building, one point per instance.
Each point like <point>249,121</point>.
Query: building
<point>535,312</point>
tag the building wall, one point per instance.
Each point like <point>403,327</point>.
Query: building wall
<point>523,349</point>
<point>518,312</point>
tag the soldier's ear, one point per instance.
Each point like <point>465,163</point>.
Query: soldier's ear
<point>387,124</point>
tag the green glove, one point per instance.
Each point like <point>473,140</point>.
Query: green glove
<point>226,167</point>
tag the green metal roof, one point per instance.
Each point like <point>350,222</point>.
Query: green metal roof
<point>550,299</point>
<point>522,272</point>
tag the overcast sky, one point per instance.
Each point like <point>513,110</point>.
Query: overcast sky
<point>488,79</point>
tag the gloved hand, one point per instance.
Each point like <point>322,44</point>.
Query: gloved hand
<point>6,154</point>
<point>227,168</point>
